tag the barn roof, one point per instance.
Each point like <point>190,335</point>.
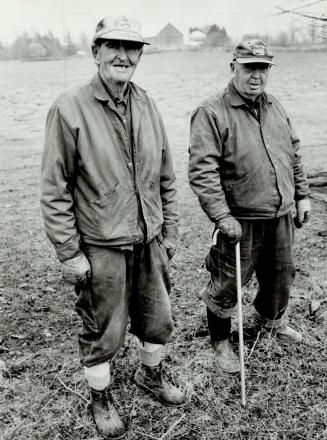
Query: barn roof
<point>170,28</point>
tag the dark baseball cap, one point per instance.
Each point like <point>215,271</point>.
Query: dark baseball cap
<point>253,51</point>
<point>119,28</point>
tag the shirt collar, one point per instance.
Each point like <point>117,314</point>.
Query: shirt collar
<point>116,98</point>
<point>102,94</point>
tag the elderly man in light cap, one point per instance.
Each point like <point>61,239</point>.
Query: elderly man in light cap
<point>245,167</point>
<point>109,208</point>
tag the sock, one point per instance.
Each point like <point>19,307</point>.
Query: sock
<point>98,376</point>
<point>219,328</point>
<point>150,354</point>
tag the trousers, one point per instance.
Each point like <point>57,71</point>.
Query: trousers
<point>266,249</point>
<point>124,284</point>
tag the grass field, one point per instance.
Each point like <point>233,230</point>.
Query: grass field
<point>43,394</point>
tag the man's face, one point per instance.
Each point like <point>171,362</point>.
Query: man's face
<point>250,79</point>
<point>117,60</point>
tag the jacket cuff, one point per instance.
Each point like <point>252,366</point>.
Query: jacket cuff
<point>170,230</point>
<point>68,250</point>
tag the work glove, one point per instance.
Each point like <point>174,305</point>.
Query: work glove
<point>230,229</point>
<point>76,270</point>
<point>170,244</point>
<point>303,210</point>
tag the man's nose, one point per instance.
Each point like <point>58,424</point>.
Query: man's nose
<point>121,52</point>
<point>256,73</point>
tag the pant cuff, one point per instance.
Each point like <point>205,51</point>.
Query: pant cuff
<point>267,323</point>
<point>221,312</point>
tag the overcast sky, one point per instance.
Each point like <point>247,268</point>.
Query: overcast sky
<point>237,16</point>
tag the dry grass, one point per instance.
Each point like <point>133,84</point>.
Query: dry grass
<point>43,394</point>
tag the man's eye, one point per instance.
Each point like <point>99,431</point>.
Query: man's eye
<point>132,46</point>
<point>111,46</point>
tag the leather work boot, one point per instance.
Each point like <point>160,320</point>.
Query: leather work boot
<point>288,334</point>
<point>225,357</point>
<point>106,418</point>
<point>153,380</point>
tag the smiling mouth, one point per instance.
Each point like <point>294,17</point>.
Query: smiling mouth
<point>121,67</point>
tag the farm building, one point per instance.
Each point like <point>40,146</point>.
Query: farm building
<point>168,38</point>
<point>197,38</point>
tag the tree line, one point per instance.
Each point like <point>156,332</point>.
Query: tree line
<point>48,46</point>
<point>215,36</point>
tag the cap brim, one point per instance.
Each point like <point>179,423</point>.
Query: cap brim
<point>122,36</point>
<point>248,60</point>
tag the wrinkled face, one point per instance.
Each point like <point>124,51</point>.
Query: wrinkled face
<point>117,60</point>
<point>250,79</point>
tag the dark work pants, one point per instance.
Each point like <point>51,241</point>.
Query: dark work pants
<point>266,249</point>
<point>123,283</point>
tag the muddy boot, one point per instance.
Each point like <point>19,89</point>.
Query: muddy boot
<point>287,334</point>
<point>153,380</point>
<point>225,357</point>
<point>106,418</point>
<point>219,329</point>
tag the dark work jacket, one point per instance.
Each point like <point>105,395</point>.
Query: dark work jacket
<point>89,186</point>
<point>232,156</point>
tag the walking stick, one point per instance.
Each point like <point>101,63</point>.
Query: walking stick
<point>240,319</point>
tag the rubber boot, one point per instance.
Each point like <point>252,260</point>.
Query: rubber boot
<point>153,380</point>
<point>219,330</point>
<point>106,418</point>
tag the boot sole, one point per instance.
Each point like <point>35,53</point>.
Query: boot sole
<point>234,371</point>
<point>231,371</point>
<point>153,394</point>
<point>106,437</point>
<point>121,437</point>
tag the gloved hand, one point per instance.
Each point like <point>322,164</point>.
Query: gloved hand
<point>170,244</point>
<point>303,210</point>
<point>76,270</point>
<point>230,228</point>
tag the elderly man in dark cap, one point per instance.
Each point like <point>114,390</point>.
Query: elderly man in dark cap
<point>245,167</point>
<point>109,207</point>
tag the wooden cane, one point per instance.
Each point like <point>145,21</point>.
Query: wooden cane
<point>240,319</point>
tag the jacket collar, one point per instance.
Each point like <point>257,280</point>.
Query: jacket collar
<point>237,100</point>
<point>101,93</point>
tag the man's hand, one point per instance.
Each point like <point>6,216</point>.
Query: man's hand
<point>76,270</point>
<point>170,244</point>
<point>303,210</point>
<point>230,228</point>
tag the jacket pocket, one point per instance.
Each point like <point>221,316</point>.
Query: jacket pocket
<point>114,214</point>
<point>106,194</point>
<point>251,190</point>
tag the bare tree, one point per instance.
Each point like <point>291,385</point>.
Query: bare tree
<point>314,20</point>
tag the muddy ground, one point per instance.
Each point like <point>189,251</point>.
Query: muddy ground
<point>43,394</point>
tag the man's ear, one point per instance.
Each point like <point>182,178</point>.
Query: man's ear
<point>232,67</point>
<point>141,52</point>
<point>95,53</point>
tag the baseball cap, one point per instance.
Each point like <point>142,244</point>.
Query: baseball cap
<point>253,51</point>
<point>119,28</point>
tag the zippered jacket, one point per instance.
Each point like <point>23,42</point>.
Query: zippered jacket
<point>93,181</point>
<point>241,166</point>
